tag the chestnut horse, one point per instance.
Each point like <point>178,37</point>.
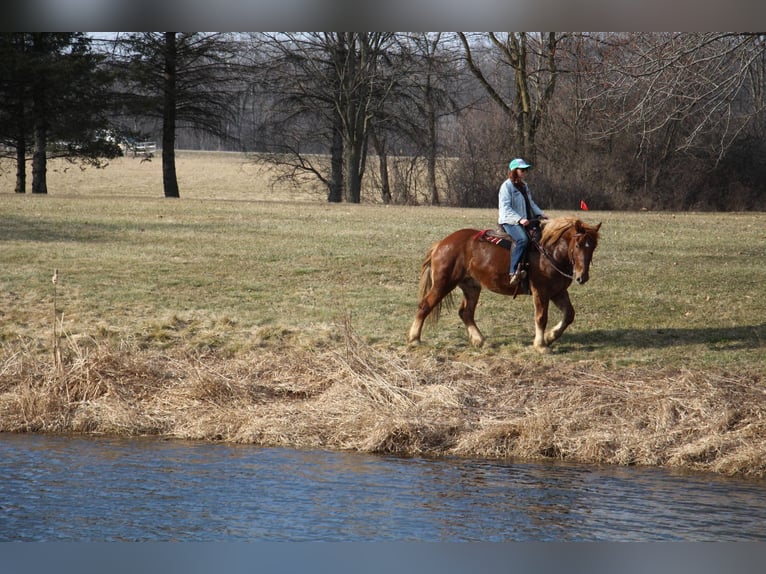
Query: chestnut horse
<point>464,260</point>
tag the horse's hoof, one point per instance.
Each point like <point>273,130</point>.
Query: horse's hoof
<point>543,350</point>
<point>550,338</point>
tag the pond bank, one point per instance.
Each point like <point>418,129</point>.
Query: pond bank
<point>357,397</point>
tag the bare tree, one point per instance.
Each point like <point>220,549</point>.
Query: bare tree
<point>532,58</point>
<point>679,93</point>
<point>325,91</point>
<point>658,120</point>
<point>427,90</point>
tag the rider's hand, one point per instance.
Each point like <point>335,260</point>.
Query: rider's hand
<point>523,221</point>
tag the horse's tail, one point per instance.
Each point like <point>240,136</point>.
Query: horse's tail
<point>427,282</point>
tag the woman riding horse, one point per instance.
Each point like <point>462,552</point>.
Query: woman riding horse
<point>467,260</point>
<point>515,210</point>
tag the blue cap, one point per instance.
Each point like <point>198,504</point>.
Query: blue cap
<point>518,163</point>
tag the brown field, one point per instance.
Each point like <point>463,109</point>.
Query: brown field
<point>254,313</point>
<point>201,175</point>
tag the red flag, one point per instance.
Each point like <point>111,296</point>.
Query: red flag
<point>583,205</point>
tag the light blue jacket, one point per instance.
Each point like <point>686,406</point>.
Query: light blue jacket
<point>511,208</point>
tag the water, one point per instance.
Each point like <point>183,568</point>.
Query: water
<point>82,489</point>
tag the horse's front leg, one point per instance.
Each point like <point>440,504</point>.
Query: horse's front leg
<point>541,320</point>
<point>567,317</point>
<point>471,291</point>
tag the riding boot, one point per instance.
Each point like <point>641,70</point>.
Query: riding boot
<point>516,278</point>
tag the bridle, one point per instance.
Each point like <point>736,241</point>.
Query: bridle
<point>550,259</point>
<point>533,237</point>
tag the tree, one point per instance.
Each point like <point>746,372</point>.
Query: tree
<point>15,82</point>
<point>702,80</point>
<point>326,91</point>
<point>56,91</point>
<point>694,91</point>
<point>532,57</point>
<point>425,90</point>
<point>184,79</point>
<point>681,102</point>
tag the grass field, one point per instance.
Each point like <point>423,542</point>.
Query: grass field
<point>257,314</point>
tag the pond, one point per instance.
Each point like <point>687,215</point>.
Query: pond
<point>57,488</point>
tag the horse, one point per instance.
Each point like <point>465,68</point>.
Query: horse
<point>464,259</point>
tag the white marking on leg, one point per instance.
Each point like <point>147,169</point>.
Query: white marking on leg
<point>475,336</point>
<point>539,337</point>
<point>555,333</point>
<point>414,335</point>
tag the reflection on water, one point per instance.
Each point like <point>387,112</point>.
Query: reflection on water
<point>81,489</point>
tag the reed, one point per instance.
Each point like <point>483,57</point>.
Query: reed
<point>358,397</point>
<point>57,364</point>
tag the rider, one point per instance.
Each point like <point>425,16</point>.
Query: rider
<point>516,208</point>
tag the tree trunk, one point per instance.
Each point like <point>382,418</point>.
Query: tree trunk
<point>335,194</point>
<point>353,156</point>
<point>21,165</point>
<point>169,179</point>
<point>431,146</point>
<point>39,166</point>
<point>525,134</point>
<point>385,185</point>
<point>354,152</point>
<point>40,126</point>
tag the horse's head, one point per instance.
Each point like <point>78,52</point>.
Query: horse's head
<point>582,244</point>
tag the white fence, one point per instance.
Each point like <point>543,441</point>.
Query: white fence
<point>144,147</point>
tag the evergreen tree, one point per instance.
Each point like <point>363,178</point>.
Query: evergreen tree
<point>183,79</point>
<point>56,90</point>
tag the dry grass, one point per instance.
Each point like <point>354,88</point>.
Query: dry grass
<point>357,397</point>
<point>201,175</point>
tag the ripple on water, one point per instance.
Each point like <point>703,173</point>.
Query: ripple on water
<point>84,489</point>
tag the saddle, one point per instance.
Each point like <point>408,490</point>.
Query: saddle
<point>499,237</point>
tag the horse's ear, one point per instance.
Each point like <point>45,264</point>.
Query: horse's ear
<point>598,226</point>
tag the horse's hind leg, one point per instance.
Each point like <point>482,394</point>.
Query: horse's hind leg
<point>413,335</point>
<point>428,303</point>
<point>471,291</point>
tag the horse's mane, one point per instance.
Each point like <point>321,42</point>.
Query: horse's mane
<point>553,229</point>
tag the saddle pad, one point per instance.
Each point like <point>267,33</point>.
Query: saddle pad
<point>489,236</point>
<point>504,241</point>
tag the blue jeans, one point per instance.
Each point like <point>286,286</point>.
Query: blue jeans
<point>520,242</point>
